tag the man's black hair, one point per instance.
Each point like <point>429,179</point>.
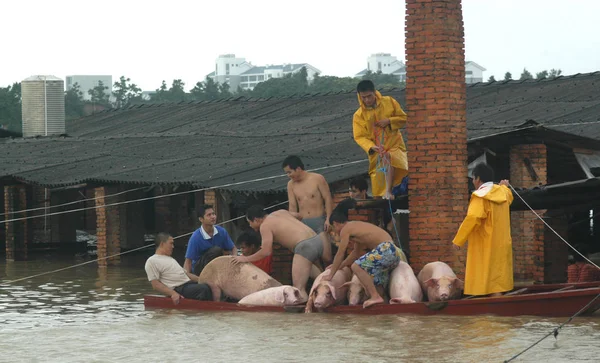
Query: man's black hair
<point>162,237</point>
<point>340,212</point>
<point>202,210</point>
<point>209,255</point>
<point>293,161</point>
<point>484,172</point>
<point>255,211</point>
<point>359,183</point>
<point>249,238</point>
<point>365,86</point>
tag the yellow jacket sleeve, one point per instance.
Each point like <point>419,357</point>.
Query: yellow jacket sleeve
<point>363,138</point>
<point>398,117</point>
<point>509,194</point>
<point>475,214</point>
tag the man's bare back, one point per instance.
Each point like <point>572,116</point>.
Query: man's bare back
<point>287,230</point>
<point>306,196</point>
<point>365,235</point>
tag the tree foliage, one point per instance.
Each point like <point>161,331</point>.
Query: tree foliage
<point>492,79</point>
<point>507,76</point>
<point>525,75</point>
<point>99,95</point>
<point>126,92</point>
<point>10,107</point>
<point>74,103</point>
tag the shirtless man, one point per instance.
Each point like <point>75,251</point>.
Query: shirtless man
<point>374,267</point>
<point>284,228</point>
<point>308,194</point>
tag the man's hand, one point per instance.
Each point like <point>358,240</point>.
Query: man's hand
<point>240,259</point>
<point>383,123</point>
<point>175,297</point>
<point>328,267</point>
<point>505,183</point>
<point>456,247</point>
<point>375,149</point>
<point>327,274</point>
<point>327,226</point>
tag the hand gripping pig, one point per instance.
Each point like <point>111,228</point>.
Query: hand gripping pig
<point>357,294</point>
<point>404,286</point>
<point>439,282</point>
<point>324,294</point>
<point>274,296</point>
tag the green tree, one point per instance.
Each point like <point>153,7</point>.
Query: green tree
<point>492,79</point>
<point>177,91</point>
<point>554,73</point>
<point>161,94</point>
<point>126,92</point>
<point>224,90</point>
<point>99,96</point>
<point>10,107</point>
<point>507,76</point>
<point>74,103</point>
<point>289,85</point>
<point>525,75</point>
<point>325,84</point>
<point>207,90</point>
<point>541,75</point>
<point>382,80</point>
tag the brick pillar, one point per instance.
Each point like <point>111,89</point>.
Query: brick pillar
<point>40,197</point>
<point>436,129</point>
<point>108,228</point>
<point>527,230</point>
<point>210,197</point>
<point>15,199</point>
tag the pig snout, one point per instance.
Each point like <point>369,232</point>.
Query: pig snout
<point>322,302</point>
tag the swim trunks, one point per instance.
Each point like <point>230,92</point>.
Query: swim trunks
<point>380,261</point>
<point>316,223</point>
<point>311,249</point>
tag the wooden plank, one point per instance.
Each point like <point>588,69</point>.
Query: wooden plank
<point>516,292</point>
<point>565,288</point>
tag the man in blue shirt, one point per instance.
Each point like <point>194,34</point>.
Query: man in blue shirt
<point>205,237</point>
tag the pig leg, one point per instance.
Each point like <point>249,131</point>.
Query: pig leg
<point>300,272</point>
<point>367,281</point>
<point>310,304</point>
<point>216,291</point>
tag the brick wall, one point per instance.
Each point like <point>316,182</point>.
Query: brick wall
<point>436,129</point>
<point>41,226</point>
<point>527,230</point>
<point>16,232</point>
<point>108,228</point>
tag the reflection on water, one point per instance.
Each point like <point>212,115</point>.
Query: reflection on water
<point>96,315</point>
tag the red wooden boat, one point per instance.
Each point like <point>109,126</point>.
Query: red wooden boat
<point>555,300</point>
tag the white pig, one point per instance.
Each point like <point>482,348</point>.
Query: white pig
<point>356,291</point>
<point>324,294</point>
<point>274,296</point>
<point>404,286</point>
<point>439,282</point>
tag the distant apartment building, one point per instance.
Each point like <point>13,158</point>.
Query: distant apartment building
<point>87,83</point>
<point>388,64</point>
<point>240,73</point>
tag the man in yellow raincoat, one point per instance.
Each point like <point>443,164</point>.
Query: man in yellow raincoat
<point>376,126</point>
<point>487,228</point>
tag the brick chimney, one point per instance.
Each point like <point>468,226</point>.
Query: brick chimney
<point>436,129</point>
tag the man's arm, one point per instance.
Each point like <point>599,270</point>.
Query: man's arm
<point>266,248</point>
<point>398,118</point>
<point>230,245</point>
<point>292,203</point>
<point>339,256</point>
<point>351,258</point>
<point>164,289</point>
<point>187,265</point>
<point>475,214</point>
<point>361,135</point>
<point>192,276</point>
<point>326,193</point>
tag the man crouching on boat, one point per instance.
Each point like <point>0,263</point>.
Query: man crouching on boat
<point>284,228</point>
<point>169,278</point>
<point>374,267</point>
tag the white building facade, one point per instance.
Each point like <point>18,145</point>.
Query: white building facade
<point>87,83</point>
<point>388,64</point>
<point>240,73</point>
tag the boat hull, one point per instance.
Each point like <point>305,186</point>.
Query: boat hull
<point>537,300</point>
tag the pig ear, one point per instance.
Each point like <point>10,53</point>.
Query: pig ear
<point>332,289</point>
<point>431,282</point>
<point>281,297</point>
<point>459,283</point>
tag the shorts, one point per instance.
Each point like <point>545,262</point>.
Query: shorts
<point>380,261</point>
<point>311,249</point>
<point>316,224</point>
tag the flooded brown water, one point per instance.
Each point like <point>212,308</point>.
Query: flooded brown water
<point>88,314</point>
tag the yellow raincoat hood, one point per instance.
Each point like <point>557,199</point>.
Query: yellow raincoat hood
<point>378,96</point>
<point>493,193</point>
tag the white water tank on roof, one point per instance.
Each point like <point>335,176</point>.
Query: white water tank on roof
<point>43,106</point>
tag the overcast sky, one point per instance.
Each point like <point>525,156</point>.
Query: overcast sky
<point>149,41</point>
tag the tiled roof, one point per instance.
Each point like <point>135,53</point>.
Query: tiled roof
<point>229,141</point>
